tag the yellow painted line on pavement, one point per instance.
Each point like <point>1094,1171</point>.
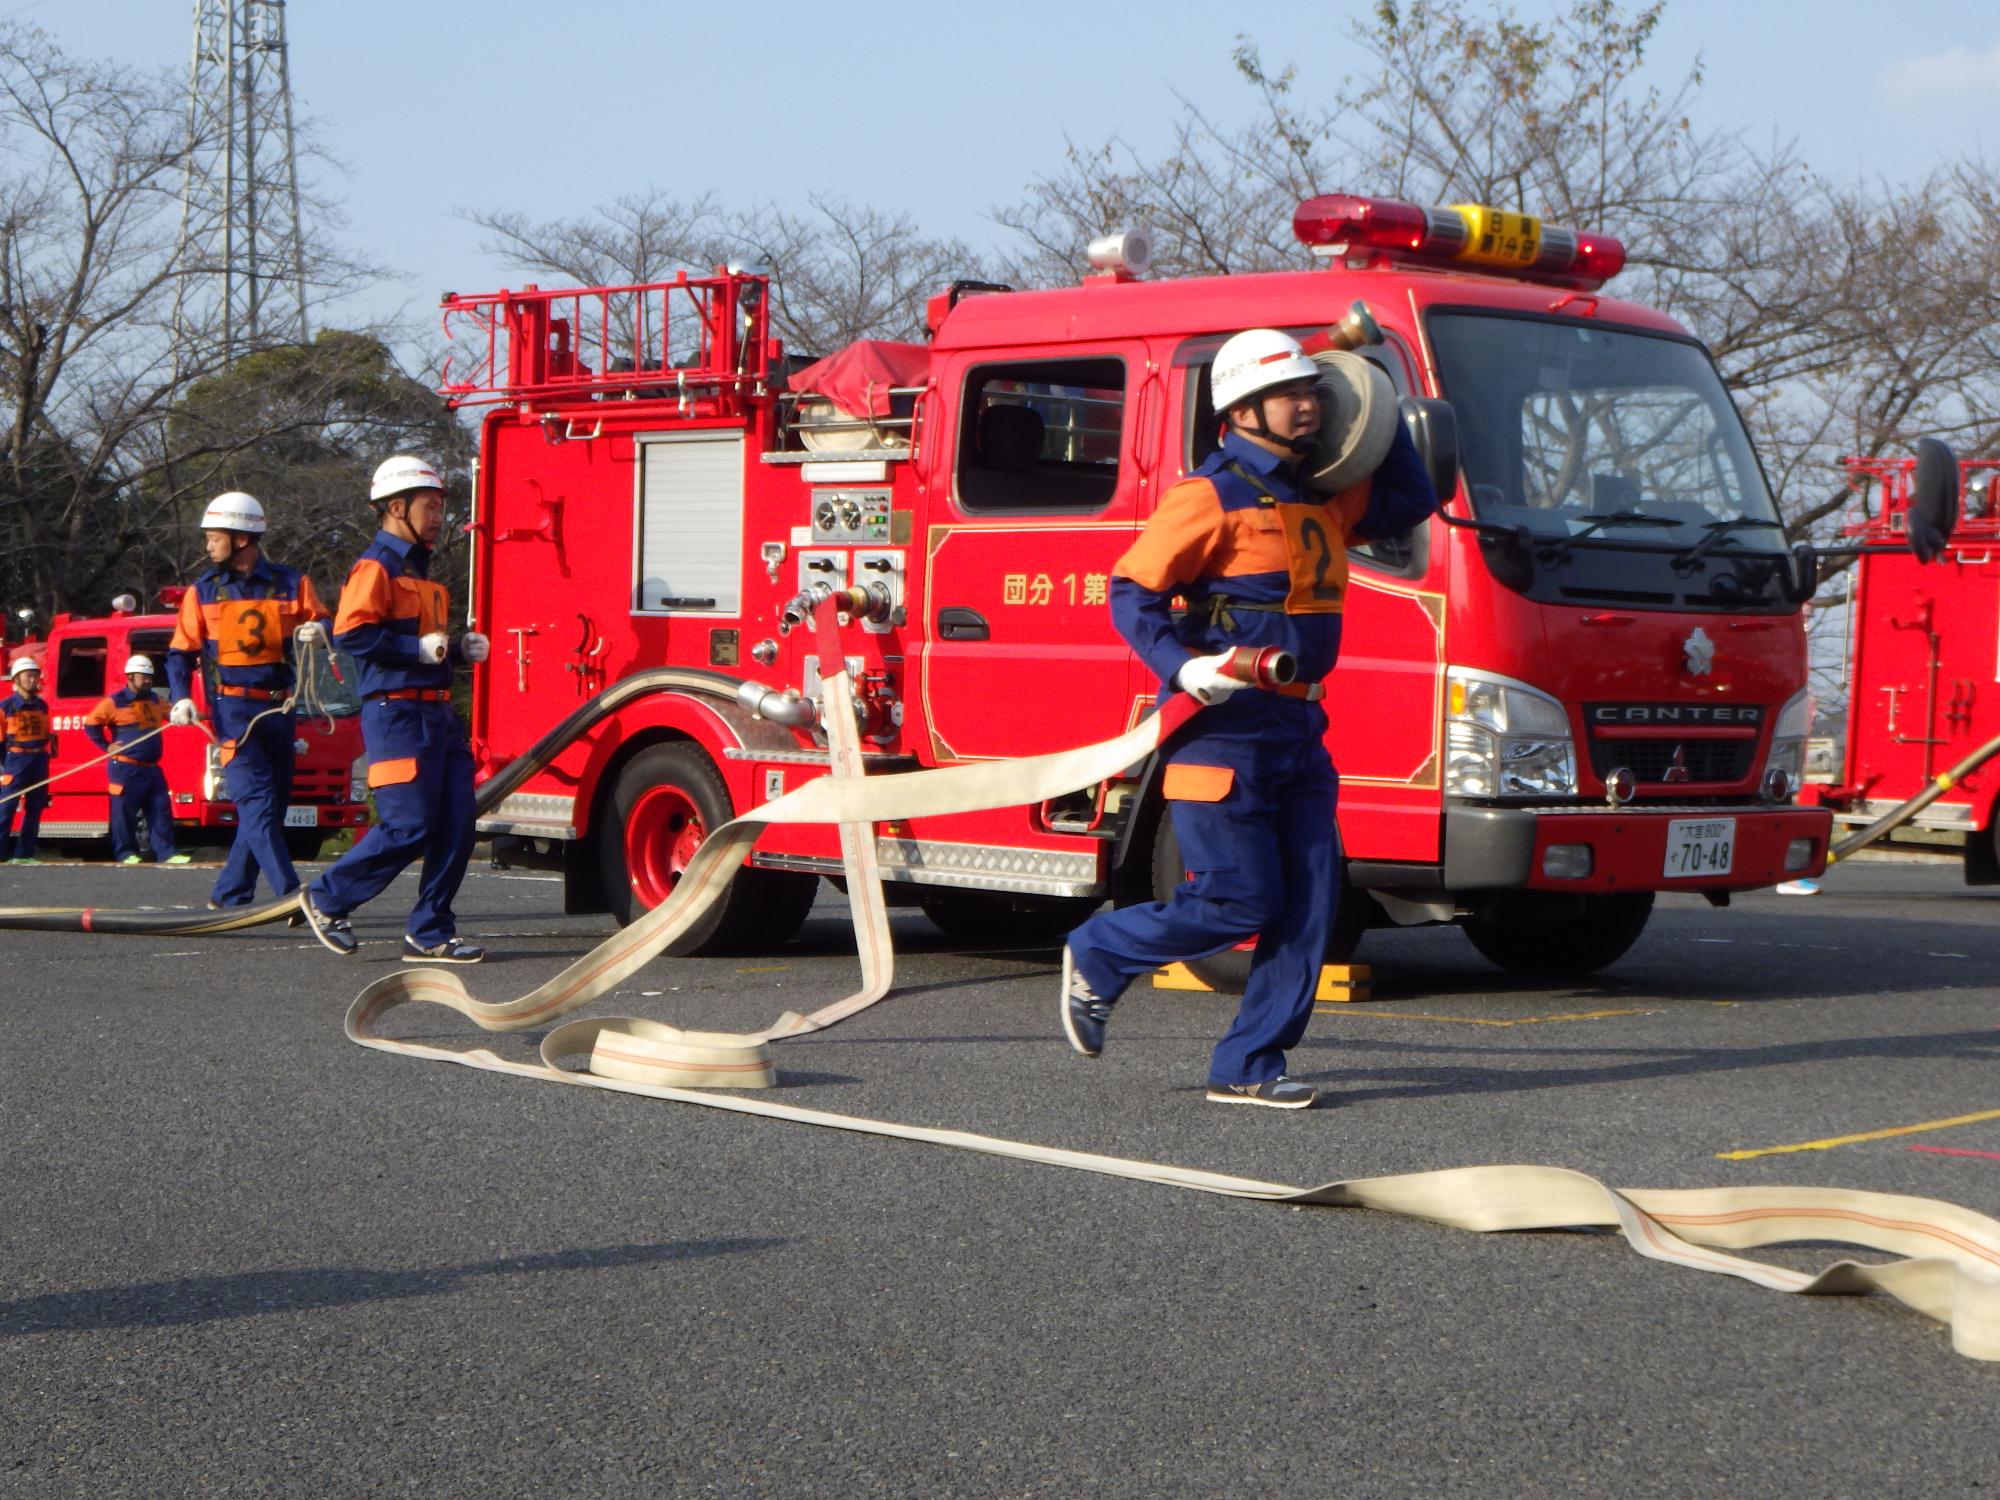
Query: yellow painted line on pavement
<point>765,969</point>
<point>1410,1015</point>
<point>1866,1135</point>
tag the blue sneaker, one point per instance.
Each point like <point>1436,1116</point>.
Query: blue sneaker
<point>336,934</point>
<point>1806,887</point>
<point>1274,1093</point>
<point>1084,1011</point>
<point>451,951</point>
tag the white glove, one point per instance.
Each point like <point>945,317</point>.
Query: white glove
<point>431,648</point>
<point>184,712</point>
<point>474,647</point>
<point>1204,679</point>
<point>312,633</point>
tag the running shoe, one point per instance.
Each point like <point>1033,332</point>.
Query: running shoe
<point>1084,1011</point>
<point>1273,1093</point>
<point>450,951</point>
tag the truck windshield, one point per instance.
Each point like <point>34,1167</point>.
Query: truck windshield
<point>1621,454</point>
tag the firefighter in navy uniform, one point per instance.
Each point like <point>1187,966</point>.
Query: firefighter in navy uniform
<point>392,621</point>
<point>240,620</point>
<point>126,725</point>
<point>1261,561</point>
<point>26,743</point>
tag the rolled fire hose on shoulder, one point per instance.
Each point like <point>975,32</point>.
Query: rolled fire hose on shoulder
<point>1950,1269</point>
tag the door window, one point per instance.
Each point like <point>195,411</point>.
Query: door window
<point>80,667</point>
<point>1041,436</point>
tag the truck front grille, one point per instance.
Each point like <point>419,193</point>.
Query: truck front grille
<point>322,784</point>
<point>1710,761</point>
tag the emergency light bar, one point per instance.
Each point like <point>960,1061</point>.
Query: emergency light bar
<point>1471,235</point>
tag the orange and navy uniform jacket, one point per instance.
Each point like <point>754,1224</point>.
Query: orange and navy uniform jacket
<point>1239,531</point>
<point>243,626</point>
<point>26,726</point>
<point>386,606</point>
<point>122,718</point>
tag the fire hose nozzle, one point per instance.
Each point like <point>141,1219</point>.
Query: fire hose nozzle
<point>1262,666</point>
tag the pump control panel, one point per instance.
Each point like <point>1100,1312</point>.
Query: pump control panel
<point>850,515</point>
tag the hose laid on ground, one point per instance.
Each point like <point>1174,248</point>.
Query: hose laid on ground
<point>1951,1265</point>
<point>1897,816</point>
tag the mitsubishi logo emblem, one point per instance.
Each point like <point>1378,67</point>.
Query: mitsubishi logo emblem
<point>1700,651</point>
<point>1677,768</point>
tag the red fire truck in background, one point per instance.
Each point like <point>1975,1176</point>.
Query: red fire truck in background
<point>82,661</point>
<point>1923,666</point>
<point>1582,685</point>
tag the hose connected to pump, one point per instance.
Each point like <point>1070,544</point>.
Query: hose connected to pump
<point>1897,816</point>
<point>1261,667</point>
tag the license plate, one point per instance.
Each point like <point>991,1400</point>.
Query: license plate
<point>1700,846</point>
<point>302,817</point>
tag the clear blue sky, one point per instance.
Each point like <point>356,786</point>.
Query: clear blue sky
<point>944,110</point>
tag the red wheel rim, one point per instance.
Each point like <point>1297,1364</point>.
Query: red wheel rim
<point>662,833</point>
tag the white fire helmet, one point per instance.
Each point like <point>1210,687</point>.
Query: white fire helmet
<point>139,664</point>
<point>234,511</point>
<point>1253,361</point>
<point>401,474</point>
<point>23,664</point>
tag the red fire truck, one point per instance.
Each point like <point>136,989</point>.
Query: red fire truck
<point>81,661</point>
<point>1584,684</point>
<point>1923,666</point>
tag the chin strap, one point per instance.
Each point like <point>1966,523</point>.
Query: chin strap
<point>1299,446</point>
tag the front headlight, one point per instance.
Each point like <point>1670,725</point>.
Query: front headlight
<point>1505,739</point>
<point>1788,738</point>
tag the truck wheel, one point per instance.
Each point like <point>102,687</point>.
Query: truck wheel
<point>303,844</point>
<point>669,798</point>
<point>1001,917</point>
<point>1560,937</point>
<point>1229,971</point>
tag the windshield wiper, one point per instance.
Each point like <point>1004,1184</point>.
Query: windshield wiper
<point>1559,548</point>
<point>1717,530</point>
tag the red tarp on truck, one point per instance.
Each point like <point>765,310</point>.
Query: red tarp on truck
<point>858,379</point>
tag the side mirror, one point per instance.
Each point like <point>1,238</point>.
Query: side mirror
<point>1510,559</point>
<point>1433,427</point>
<point>1933,500</point>
<point>1801,580</point>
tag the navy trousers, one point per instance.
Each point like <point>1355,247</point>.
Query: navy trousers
<point>137,790</point>
<point>259,781</point>
<point>421,770</point>
<point>22,770</point>
<point>1263,862</point>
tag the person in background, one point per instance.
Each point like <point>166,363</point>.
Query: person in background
<point>26,743</point>
<point>242,620</point>
<point>128,725</point>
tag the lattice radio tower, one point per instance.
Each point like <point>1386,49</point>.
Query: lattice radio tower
<point>242,256</point>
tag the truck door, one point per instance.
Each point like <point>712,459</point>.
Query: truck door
<point>78,805</point>
<point>1045,485</point>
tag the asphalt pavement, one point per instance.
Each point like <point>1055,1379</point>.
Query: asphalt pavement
<point>240,1256</point>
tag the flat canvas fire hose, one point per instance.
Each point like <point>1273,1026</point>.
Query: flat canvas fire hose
<point>1950,1268</point>
<point>1950,1265</point>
